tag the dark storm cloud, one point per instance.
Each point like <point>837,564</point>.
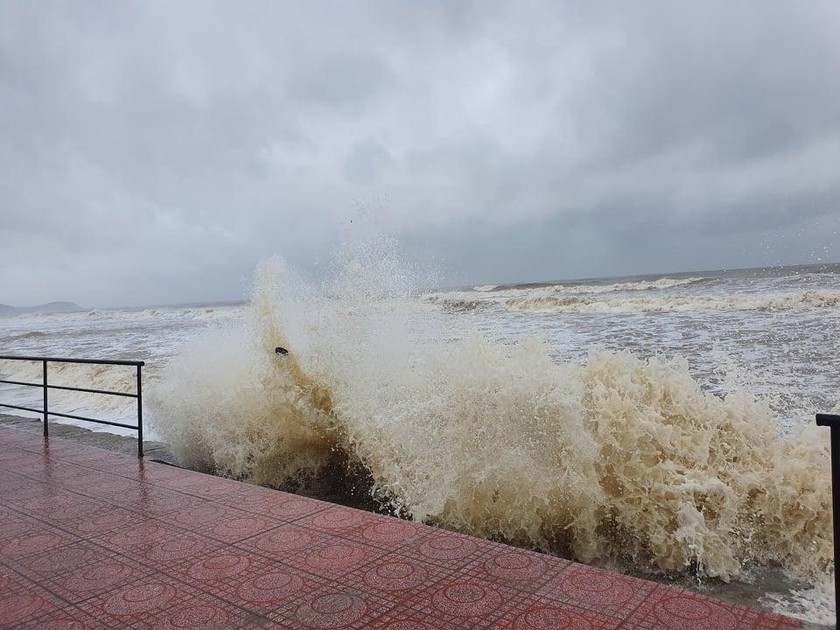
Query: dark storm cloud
<point>153,152</point>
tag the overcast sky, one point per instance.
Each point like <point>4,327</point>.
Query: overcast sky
<point>153,152</point>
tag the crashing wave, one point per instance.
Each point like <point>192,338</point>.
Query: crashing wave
<point>616,460</point>
<point>458,303</point>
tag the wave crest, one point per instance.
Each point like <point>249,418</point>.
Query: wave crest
<point>540,301</point>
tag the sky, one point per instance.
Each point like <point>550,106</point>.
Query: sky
<point>153,152</point>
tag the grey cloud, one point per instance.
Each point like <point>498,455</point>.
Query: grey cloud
<point>153,151</point>
<point>365,162</point>
<point>340,79</point>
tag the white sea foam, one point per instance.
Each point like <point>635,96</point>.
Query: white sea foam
<point>815,604</point>
<point>634,285</point>
<point>547,301</point>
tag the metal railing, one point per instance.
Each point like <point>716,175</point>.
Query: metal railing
<point>46,387</point>
<point>833,421</point>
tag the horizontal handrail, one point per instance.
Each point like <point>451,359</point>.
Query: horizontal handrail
<point>45,386</point>
<point>60,360</point>
<point>73,389</point>
<point>108,422</point>
<point>70,415</point>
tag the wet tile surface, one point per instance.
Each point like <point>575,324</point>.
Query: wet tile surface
<point>93,539</point>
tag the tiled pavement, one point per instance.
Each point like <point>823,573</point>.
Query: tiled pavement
<point>94,539</point>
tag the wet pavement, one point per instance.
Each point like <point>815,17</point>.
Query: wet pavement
<point>97,539</point>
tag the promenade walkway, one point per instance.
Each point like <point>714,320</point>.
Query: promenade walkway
<point>94,539</point>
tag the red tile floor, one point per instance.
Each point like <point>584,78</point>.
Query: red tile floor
<point>94,539</point>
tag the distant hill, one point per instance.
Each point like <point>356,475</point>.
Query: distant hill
<point>43,309</point>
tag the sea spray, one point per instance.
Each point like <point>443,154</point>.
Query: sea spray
<point>615,460</point>
<point>231,405</point>
<point>693,480</point>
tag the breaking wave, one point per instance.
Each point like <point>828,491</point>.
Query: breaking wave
<point>460,303</point>
<point>637,285</point>
<point>34,334</point>
<point>583,287</point>
<point>616,460</point>
<point>542,301</point>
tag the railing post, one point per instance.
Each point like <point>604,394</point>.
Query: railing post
<point>139,411</point>
<point>833,421</point>
<point>46,401</point>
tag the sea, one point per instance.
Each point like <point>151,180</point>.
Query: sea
<point>660,425</point>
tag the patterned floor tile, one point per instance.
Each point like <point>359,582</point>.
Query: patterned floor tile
<point>396,575</point>
<point>67,618</point>
<point>90,539</point>
<point>333,558</point>
<point>336,519</point>
<point>201,612</point>
<point>33,543</point>
<point>279,543</point>
<point>14,524</point>
<point>240,527</point>
<point>172,548</point>
<point>545,615</point>
<point>398,620</point>
<point>450,551</point>
<point>140,536</point>
<point>136,604</point>
<point>668,608</point>
<point>22,601</point>
<point>35,490</point>
<point>266,588</point>
<point>219,566</point>
<point>52,563</point>
<point>387,532</point>
<point>101,521</point>
<point>150,500</point>
<point>199,518</point>
<point>332,607</point>
<point>597,591</point>
<point>286,508</point>
<point>88,580</point>
<point>462,602</point>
